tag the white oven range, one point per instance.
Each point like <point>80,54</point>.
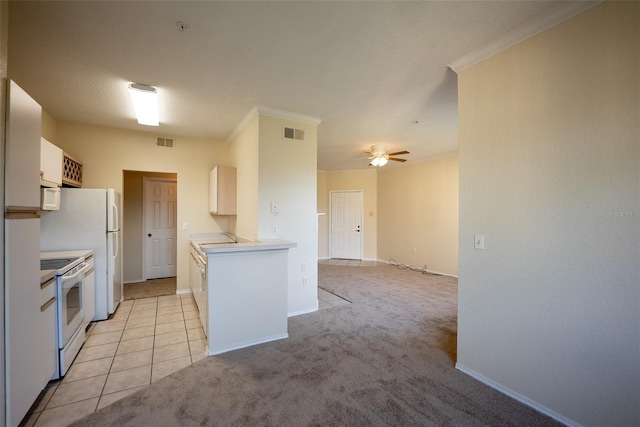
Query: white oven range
<point>70,311</point>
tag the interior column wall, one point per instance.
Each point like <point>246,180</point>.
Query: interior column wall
<point>549,311</point>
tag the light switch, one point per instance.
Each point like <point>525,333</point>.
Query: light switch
<point>275,207</point>
<point>185,226</point>
<point>478,241</point>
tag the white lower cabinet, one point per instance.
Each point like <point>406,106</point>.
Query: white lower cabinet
<point>198,283</point>
<point>49,340</point>
<point>89,291</point>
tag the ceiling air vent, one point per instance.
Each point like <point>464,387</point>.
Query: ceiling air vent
<point>165,142</point>
<point>291,133</point>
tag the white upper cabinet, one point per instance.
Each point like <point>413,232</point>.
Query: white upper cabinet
<point>222,187</point>
<point>22,181</point>
<point>50,164</point>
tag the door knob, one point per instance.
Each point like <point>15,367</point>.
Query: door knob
<point>149,235</point>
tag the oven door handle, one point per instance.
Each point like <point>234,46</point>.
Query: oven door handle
<point>66,278</point>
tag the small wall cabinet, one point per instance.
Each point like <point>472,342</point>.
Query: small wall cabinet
<point>222,190</point>
<point>50,164</point>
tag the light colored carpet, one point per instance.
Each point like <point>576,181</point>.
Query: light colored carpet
<point>386,359</point>
<point>150,288</point>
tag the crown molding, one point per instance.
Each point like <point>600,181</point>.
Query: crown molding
<point>528,30</point>
<point>271,112</point>
<point>253,113</point>
<point>286,115</point>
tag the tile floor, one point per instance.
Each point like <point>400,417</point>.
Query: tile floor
<point>145,340</point>
<point>349,262</point>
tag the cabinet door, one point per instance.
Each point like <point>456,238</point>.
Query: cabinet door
<point>22,170</point>
<point>223,188</point>
<point>90,292</point>
<point>49,341</point>
<point>50,164</point>
<point>24,375</point>
<point>194,277</point>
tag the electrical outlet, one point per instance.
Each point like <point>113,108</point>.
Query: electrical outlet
<point>305,281</point>
<point>274,230</point>
<point>478,241</point>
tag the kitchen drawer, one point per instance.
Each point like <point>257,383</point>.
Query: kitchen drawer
<point>90,261</point>
<point>47,290</point>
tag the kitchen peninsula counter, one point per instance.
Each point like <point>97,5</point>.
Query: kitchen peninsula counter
<point>240,289</point>
<point>204,245</point>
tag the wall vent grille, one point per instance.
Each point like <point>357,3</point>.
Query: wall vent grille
<point>291,133</point>
<point>164,142</point>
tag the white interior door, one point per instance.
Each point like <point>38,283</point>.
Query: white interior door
<point>160,225</point>
<point>346,224</point>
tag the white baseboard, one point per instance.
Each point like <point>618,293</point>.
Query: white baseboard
<point>183,291</point>
<point>427,270</point>
<point>249,344</point>
<point>132,281</point>
<point>517,396</point>
<point>305,311</point>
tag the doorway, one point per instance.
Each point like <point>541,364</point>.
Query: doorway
<point>134,235</point>
<point>346,224</point>
<point>160,227</point>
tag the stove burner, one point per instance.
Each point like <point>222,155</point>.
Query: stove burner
<point>56,263</point>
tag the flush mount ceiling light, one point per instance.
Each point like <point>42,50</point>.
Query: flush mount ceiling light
<point>145,103</point>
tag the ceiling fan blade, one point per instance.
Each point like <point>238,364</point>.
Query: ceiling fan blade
<point>397,153</point>
<point>397,160</point>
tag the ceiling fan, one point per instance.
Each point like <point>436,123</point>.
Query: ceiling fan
<point>379,156</point>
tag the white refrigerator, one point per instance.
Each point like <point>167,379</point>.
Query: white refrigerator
<point>89,219</point>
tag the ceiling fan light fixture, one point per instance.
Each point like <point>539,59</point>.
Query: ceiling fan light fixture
<point>379,160</point>
<point>145,103</point>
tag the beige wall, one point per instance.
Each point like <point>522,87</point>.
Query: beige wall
<point>364,180</point>
<point>49,127</point>
<point>418,215</point>
<point>107,152</point>
<point>244,155</point>
<point>549,174</point>
<point>132,222</point>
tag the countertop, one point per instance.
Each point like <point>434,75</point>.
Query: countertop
<point>203,243</point>
<point>49,274</point>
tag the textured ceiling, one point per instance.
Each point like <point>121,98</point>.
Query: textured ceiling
<point>373,72</point>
